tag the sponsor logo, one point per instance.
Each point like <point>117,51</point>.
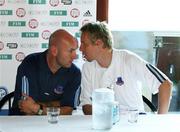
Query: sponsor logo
<point>87,14</point>
<point>5,57</point>
<point>36,1</point>
<point>20,12</point>
<point>46,34</point>
<point>44,45</point>
<point>5,12</point>
<point>29,45</point>
<point>66,2</point>
<point>59,89</point>
<point>3,92</point>
<point>29,34</point>
<point>33,23</point>
<point>119,81</point>
<point>58,13</point>
<point>51,24</point>
<point>9,35</point>
<point>54,3</point>
<point>16,23</point>
<point>2,2</point>
<point>16,1</point>
<point>77,34</point>
<point>2,23</point>
<point>74,12</point>
<point>37,12</point>
<point>70,24</point>
<point>12,45</point>
<point>20,56</point>
<point>1,45</point>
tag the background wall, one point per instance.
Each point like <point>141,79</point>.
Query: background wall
<point>25,27</point>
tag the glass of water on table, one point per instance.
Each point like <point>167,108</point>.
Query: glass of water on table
<point>53,114</point>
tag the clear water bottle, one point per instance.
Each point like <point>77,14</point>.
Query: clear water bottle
<point>102,108</point>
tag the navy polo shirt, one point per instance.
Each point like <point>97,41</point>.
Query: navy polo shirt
<point>45,86</point>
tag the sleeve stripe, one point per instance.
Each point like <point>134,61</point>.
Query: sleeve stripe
<point>76,98</point>
<point>155,72</point>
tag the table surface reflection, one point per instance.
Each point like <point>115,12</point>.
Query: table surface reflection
<point>81,123</point>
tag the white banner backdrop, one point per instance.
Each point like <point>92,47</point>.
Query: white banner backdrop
<point>25,27</point>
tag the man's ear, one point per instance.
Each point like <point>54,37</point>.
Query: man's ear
<point>54,50</point>
<point>99,42</point>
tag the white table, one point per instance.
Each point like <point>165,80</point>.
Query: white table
<point>80,123</point>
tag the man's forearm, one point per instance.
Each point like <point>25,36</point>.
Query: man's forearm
<point>66,110</point>
<point>36,106</point>
<point>164,97</point>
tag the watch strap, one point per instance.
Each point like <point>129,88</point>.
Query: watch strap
<point>40,110</point>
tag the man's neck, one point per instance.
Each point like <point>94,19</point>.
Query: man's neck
<point>105,58</point>
<point>51,63</point>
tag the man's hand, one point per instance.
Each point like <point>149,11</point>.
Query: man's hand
<point>87,109</point>
<point>28,106</point>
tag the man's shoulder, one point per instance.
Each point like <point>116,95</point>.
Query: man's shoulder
<point>33,56</point>
<point>127,54</point>
<point>32,60</point>
<point>128,57</point>
<point>122,52</point>
<point>74,68</point>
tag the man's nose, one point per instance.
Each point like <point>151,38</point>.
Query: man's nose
<point>80,48</point>
<point>74,55</point>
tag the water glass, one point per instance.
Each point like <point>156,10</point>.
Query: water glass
<point>133,115</point>
<point>52,114</point>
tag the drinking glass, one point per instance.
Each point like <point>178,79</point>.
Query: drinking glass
<point>133,115</point>
<point>52,114</point>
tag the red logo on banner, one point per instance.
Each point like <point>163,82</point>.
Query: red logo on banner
<point>46,34</point>
<point>20,56</point>
<point>54,3</point>
<point>33,23</point>
<point>75,13</point>
<point>20,12</point>
<point>2,2</point>
<point>1,45</point>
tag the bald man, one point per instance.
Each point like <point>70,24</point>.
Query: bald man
<point>52,77</point>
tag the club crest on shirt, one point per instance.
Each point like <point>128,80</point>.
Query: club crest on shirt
<point>119,81</point>
<point>58,90</point>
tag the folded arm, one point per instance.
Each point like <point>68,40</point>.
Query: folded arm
<point>30,107</point>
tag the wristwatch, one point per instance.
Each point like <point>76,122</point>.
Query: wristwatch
<point>40,110</point>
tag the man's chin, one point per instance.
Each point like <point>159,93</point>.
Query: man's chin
<point>67,65</point>
<point>86,59</point>
<point>89,60</point>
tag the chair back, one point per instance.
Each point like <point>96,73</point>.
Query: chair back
<point>149,104</point>
<point>7,99</point>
